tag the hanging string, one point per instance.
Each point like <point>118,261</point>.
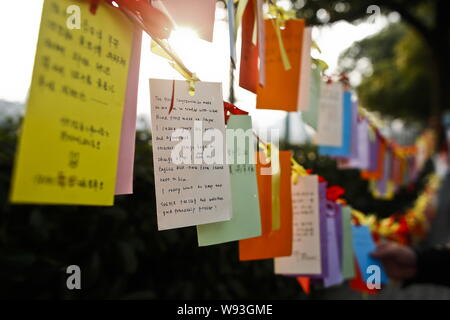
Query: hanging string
<point>280,16</point>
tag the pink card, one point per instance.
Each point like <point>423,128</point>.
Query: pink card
<point>198,15</point>
<point>125,165</point>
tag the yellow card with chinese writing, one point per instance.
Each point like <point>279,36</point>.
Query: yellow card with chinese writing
<point>69,141</point>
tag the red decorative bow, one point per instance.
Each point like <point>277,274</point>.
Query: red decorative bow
<point>230,109</point>
<point>334,193</point>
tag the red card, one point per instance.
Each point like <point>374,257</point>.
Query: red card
<point>248,75</point>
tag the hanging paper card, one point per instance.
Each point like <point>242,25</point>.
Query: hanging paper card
<point>276,187</point>
<point>70,136</point>
<point>363,145</point>
<point>197,15</point>
<point>396,171</point>
<point>246,221</point>
<point>354,132</point>
<point>348,267</point>
<point>345,146</point>
<point>248,73</point>
<point>191,178</point>
<point>261,41</point>
<point>323,231</point>
<point>345,163</point>
<point>124,181</point>
<point>334,276</point>
<point>338,224</point>
<point>360,158</point>
<point>280,91</point>
<point>374,147</point>
<point>271,243</point>
<point>306,250</point>
<point>310,116</point>
<point>382,184</point>
<point>330,123</point>
<point>363,245</point>
<point>323,236</point>
<point>305,72</point>
<point>377,162</point>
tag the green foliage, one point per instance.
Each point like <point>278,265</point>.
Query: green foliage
<point>398,80</point>
<point>120,251</point>
<point>319,12</point>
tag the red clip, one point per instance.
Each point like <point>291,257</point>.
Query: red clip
<point>230,109</point>
<point>94,6</point>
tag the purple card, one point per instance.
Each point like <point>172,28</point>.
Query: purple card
<point>334,276</point>
<point>373,154</point>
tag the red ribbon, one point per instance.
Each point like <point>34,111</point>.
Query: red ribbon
<point>154,22</point>
<point>94,6</point>
<point>173,96</point>
<point>334,193</point>
<point>403,231</point>
<point>230,109</point>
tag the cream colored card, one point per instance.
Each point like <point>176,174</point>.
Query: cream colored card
<point>191,175</point>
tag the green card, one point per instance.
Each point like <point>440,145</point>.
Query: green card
<point>246,220</point>
<point>348,266</point>
<point>311,115</point>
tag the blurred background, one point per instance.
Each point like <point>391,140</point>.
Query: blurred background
<point>395,54</point>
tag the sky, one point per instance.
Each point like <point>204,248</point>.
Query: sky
<point>19,26</point>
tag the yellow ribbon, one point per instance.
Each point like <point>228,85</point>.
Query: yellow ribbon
<point>280,16</point>
<point>272,153</point>
<point>297,171</point>
<point>191,78</point>
<point>322,65</point>
<point>238,18</point>
<point>371,118</point>
<point>390,190</point>
<point>314,45</point>
<point>359,216</point>
<point>388,195</point>
<point>388,227</point>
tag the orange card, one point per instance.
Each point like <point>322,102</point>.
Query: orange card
<point>377,174</point>
<point>282,86</point>
<point>277,243</point>
<point>248,74</point>
<point>305,284</point>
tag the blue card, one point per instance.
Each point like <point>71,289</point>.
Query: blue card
<point>363,245</point>
<point>345,149</point>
